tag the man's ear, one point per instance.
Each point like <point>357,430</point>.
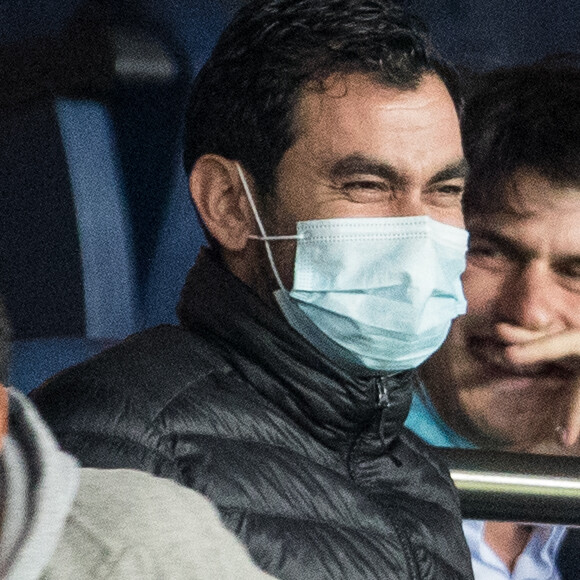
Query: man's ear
<point>220,198</point>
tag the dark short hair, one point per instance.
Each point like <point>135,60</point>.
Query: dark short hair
<point>242,102</point>
<point>526,117</point>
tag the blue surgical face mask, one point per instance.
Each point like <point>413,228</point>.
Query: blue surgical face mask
<point>384,290</point>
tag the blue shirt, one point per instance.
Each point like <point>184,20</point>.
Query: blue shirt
<point>537,561</point>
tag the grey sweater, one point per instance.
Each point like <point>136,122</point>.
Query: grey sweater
<point>62,522</point>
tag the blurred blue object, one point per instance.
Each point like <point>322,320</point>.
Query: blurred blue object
<point>180,239</point>
<point>149,122</point>
<point>34,361</point>
<point>167,232</point>
<point>62,316</point>
<point>67,267</point>
<point>110,231</point>
<point>111,307</point>
<point>189,27</point>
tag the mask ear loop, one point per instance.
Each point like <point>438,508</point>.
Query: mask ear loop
<point>263,237</point>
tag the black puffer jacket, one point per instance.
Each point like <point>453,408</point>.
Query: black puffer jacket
<point>308,464</point>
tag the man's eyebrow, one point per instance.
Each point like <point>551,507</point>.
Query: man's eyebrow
<point>514,249</point>
<point>359,164</point>
<point>510,247</point>
<point>455,170</point>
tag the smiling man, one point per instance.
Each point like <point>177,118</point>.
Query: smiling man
<point>325,160</point>
<point>508,376</point>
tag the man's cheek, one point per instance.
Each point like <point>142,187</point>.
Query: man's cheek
<point>480,289</point>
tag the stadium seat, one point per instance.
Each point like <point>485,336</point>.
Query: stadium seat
<point>67,267</point>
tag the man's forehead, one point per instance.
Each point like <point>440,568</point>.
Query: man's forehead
<point>529,192</point>
<point>524,194</point>
<point>414,130</point>
<point>340,91</point>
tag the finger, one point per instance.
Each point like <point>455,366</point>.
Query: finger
<point>571,432</point>
<point>564,345</point>
<point>511,334</point>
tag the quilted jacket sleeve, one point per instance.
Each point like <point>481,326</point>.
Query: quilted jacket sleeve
<point>105,411</point>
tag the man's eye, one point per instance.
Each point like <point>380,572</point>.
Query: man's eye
<point>448,188</point>
<point>451,189</point>
<point>570,270</point>
<point>486,256</point>
<point>365,184</point>
<point>445,194</point>
<point>366,190</point>
<point>569,273</point>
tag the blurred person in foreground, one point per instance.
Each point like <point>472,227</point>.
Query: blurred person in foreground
<point>60,522</point>
<point>324,154</point>
<point>508,375</point>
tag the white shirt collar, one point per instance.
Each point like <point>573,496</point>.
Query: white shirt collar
<point>537,561</point>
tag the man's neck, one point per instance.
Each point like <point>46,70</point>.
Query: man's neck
<point>508,540</point>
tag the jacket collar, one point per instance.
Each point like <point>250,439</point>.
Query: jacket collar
<point>331,399</point>
<point>38,487</point>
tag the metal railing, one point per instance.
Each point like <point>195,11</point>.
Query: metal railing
<point>515,486</point>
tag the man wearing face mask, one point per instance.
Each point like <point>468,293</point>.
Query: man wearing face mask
<point>325,161</point>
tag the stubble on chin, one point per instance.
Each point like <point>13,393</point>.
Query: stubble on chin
<point>499,418</point>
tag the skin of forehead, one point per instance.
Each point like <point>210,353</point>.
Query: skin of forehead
<point>530,198</point>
